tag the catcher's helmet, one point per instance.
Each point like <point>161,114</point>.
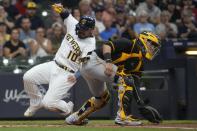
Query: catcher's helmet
<point>85,22</point>
<point>149,43</point>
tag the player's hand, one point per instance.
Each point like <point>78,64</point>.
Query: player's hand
<point>72,78</point>
<point>109,69</point>
<point>58,8</point>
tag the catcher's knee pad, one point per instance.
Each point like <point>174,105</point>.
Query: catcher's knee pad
<point>93,104</point>
<point>124,101</point>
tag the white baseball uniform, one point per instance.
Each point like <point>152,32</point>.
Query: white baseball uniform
<point>72,48</point>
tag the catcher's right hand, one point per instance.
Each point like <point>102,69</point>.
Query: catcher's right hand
<point>58,8</point>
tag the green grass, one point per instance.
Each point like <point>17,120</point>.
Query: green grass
<point>93,125</point>
<point>86,129</point>
<point>91,122</point>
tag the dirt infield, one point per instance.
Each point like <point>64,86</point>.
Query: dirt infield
<point>183,126</point>
<point>164,126</point>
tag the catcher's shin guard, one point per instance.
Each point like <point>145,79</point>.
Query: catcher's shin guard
<point>93,104</point>
<point>125,94</point>
<point>124,101</point>
<point>148,112</point>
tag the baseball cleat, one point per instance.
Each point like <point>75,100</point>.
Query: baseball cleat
<point>73,119</point>
<point>129,121</point>
<point>30,111</point>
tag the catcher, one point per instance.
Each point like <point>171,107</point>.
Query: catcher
<point>129,57</point>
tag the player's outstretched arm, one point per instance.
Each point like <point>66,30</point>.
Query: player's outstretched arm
<point>58,8</point>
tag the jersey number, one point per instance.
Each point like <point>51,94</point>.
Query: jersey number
<point>72,56</point>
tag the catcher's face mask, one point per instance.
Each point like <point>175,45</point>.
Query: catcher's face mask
<point>149,44</point>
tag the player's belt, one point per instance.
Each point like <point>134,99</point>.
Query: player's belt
<point>64,67</point>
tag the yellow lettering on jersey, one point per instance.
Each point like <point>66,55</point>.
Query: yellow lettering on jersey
<point>74,44</point>
<point>69,37</point>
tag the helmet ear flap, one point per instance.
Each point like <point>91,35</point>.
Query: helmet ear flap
<point>77,28</point>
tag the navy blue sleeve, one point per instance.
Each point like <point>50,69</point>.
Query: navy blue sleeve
<point>77,74</point>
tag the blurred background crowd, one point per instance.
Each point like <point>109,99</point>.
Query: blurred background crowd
<point>29,28</point>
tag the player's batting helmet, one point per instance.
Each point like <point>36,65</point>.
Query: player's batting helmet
<point>149,43</point>
<point>85,22</point>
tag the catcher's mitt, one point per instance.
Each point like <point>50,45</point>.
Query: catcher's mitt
<point>150,113</point>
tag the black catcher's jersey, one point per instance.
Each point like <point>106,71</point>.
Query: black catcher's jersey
<point>126,55</point>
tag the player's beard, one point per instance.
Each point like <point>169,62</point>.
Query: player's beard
<point>81,35</point>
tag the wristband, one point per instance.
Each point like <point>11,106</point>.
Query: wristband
<point>64,14</point>
<point>107,57</point>
<point>77,74</point>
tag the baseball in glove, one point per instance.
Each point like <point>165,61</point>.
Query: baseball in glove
<point>151,114</point>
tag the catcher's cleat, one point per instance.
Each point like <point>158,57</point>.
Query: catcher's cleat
<point>128,121</point>
<point>31,111</point>
<point>73,119</point>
